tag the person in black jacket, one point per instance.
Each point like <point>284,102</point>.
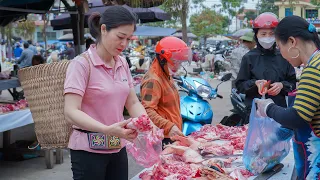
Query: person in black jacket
<point>265,63</point>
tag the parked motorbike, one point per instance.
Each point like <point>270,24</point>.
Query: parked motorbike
<point>195,110</point>
<point>240,112</point>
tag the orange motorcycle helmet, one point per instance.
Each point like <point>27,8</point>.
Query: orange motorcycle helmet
<point>174,51</point>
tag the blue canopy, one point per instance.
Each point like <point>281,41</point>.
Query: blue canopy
<point>153,31</point>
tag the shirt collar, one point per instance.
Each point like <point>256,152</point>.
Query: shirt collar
<point>97,61</point>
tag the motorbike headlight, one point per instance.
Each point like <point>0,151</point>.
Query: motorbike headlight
<point>202,90</point>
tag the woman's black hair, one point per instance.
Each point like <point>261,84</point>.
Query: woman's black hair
<point>298,27</point>
<point>37,59</point>
<point>113,17</point>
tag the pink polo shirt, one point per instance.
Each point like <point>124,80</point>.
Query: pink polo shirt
<point>104,96</point>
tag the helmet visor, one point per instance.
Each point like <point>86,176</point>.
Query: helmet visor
<point>182,55</point>
<point>178,57</point>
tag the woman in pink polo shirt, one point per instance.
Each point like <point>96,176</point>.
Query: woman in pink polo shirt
<point>98,86</point>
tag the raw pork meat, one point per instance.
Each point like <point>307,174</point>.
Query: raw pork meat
<point>238,143</point>
<point>171,169</point>
<point>188,155</point>
<point>146,148</point>
<point>142,124</point>
<point>222,162</point>
<point>212,174</point>
<point>241,174</point>
<point>218,150</point>
<point>186,141</point>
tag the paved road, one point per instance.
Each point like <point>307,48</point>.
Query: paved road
<point>35,169</point>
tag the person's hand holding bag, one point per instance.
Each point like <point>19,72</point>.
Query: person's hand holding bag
<point>119,130</point>
<point>259,84</point>
<point>262,105</point>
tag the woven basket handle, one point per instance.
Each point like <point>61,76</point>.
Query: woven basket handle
<point>85,55</point>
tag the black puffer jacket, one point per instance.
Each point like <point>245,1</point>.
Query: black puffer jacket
<point>260,64</point>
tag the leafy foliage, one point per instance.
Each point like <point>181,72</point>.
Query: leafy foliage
<point>268,6</point>
<point>207,23</point>
<point>25,29</point>
<point>232,6</point>
<point>316,2</point>
<point>250,15</point>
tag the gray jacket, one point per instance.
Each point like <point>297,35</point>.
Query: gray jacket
<point>236,58</point>
<point>25,59</point>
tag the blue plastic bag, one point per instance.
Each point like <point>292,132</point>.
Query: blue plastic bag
<point>267,143</point>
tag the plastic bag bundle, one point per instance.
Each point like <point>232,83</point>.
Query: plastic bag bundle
<point>267,143</point>
<point>147,147</point>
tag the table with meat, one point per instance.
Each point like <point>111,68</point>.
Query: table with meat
<point>214,152</point>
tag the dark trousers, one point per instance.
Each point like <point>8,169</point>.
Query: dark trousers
<point>95,166</point>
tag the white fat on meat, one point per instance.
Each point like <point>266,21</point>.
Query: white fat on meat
<point>186,141</point>
<point>188,155</point>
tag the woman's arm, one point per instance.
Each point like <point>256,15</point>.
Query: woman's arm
<point>290,83</point>
<point>74,115</point>
<point>133,105</point>
<point>306,103</point>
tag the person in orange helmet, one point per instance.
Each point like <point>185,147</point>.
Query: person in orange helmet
<point>159,95</point>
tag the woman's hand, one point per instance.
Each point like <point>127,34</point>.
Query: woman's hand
<point>275,88</point>
<point>262,105</point>
<point>119,130</point>
<point>259,84</point>
<point>175,131</point>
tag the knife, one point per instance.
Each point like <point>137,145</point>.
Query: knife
<point>266,175</point>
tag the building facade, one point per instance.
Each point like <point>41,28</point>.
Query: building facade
<point>302,8</point>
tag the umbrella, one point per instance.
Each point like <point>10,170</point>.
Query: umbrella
<point>241,32</point>
<point>144,14</point>
<point>189,35</point>
<point>14,10</point>
<point>153,31</point>
<point>219,38</point>
<point>69,37</point>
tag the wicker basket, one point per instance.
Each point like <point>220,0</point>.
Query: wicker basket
<point>43,87</point>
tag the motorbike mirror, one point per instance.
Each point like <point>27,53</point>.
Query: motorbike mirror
<point>185,71</point>
<point>226,77</point>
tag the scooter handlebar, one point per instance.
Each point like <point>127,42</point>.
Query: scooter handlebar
<point>219,96</point>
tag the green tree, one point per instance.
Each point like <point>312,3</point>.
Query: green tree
<point>232,7</point>
<point>267,6</point>
<point>225,22</point>
<point>207,23</point>
<point>179,10</point>
<point>250,15</point>
<point>25,29</point>
<point>316,2</point>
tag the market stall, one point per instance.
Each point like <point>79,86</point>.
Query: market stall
<point>13,120</point>
<point>216,152</point>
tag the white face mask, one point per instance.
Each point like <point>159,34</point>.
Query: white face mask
<point>266,42</point>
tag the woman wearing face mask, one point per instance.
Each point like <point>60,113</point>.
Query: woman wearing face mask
<point>265,63</point>
<point>158,93</point>
<point>299,44</point>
